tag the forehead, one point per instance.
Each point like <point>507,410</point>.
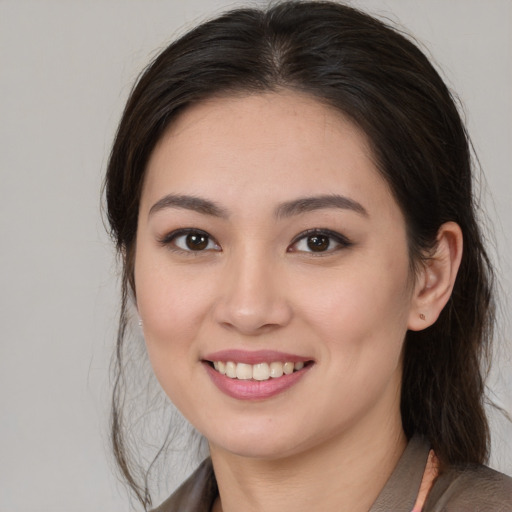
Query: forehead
<point>263,146</point>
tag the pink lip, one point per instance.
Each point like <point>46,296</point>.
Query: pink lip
<point>253,389</point>
<point>254,357</point>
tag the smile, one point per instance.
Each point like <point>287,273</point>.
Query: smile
<point>255,375</point>
<point>260,371</point>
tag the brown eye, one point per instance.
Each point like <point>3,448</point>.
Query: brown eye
<point>318,243</point>
<point>190,240</point>
<point>196,241</point>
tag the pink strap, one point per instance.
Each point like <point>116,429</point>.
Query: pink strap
<point>431,472</point>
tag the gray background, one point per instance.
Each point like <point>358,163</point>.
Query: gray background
<point>66,68</point>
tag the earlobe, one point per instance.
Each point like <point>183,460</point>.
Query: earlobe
<point>435,281</point>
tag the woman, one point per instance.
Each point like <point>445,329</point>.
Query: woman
<point>291,194</point>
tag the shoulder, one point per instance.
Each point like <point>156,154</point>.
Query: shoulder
<point>476,488</point>
<point>196,494</point>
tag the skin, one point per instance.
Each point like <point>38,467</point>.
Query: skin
<point>256,286</point>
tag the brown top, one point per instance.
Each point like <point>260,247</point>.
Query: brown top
<point>474,489</point>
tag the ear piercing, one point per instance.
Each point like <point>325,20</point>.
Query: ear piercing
<point>422,316</point>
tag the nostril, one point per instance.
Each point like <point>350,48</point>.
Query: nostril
<point>250,328</point>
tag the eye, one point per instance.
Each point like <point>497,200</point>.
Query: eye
<point>319,241</point>
<point>190,240</point>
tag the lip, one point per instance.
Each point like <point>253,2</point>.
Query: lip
<point>252,389</point>
<point>254,357</point>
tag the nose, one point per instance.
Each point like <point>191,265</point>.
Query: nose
<point>253,296</point>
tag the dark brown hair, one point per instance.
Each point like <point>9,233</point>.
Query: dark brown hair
<point>381,81</point>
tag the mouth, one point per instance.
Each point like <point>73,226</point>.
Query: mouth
<point>260,371</point>
<point>255,375</point>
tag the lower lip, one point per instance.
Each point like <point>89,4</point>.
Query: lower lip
<point>254,389</point>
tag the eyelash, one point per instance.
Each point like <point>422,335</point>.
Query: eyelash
<point>169,240</point>
<point>342,242</point>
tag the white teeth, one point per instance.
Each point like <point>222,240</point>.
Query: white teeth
<point>276,369</point>
<point>231,370</point>
<point>288,368</point>
<point>243,371</point>
<point>260,371</point>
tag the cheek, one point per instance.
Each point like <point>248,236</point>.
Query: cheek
<point>361,313</point>
<point>172,311</point>
<point>360,326</point>
<point>172,304</point>
<point>166,294</point>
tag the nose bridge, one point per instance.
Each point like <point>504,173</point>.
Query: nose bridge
<point>252,299</point>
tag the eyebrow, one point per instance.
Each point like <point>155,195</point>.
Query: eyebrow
<point>309,204</point>
<point>287,209</point>
<point>197,204</point>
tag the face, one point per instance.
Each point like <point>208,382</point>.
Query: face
<point>272,275</point>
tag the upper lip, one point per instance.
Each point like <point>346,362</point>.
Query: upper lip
<point>254,357</point>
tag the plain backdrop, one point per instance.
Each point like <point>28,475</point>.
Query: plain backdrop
<point>66,68</point>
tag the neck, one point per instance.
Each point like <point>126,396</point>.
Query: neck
<point>345,473</point>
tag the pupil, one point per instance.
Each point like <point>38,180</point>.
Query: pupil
<point>318,243</point>
<point>196,241</point>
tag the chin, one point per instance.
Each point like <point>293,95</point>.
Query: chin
<point>257,450</point>
<point>267,440</point>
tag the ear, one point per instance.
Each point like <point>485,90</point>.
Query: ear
<point>435,280</point>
